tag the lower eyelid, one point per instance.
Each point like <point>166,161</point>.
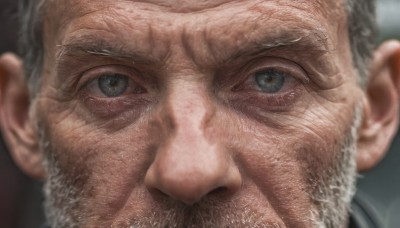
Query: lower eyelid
<point>109,108</point>
<point>269,102</point>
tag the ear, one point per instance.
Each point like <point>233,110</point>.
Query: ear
<point>381,106</point>
<point>17,128</point>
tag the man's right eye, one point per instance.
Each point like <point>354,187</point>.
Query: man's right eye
<point>112,90</point>
<point>112,85</point>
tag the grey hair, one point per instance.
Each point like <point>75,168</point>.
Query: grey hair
<point>30,45</point>
<point>361,25</point>
<point>363,31</point>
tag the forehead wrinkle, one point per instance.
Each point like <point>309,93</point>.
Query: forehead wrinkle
<point>269,31</point>
<point>186,6</point>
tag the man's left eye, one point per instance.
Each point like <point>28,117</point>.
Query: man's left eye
<point>112,85</point>
<point>270,81</point>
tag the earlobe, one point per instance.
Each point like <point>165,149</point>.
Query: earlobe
<point>17,128</point>
<point>381,106</point>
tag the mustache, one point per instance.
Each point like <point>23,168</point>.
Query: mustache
<point>205,214</point>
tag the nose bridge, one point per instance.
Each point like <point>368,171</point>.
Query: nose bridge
<point>190,162</point>
<point>190,113</point>
<point>188,108</point>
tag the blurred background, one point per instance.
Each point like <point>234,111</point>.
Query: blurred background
<point>381,186</point>
<point>389,18</point>
<point>20,197</point>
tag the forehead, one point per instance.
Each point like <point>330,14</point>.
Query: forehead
<point>60,14</point>
<point>71,8</point>
<point>197,5</point>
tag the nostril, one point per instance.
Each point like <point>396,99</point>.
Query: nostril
<point>218,191</point>
<point>158,194</point>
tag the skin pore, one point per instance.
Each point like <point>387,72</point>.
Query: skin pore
<point>200,114</point>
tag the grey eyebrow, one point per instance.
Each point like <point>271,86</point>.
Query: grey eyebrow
<point>92,47</point>
<point>107,53</point>
<point>280,43</point>
<point>88,46</point>
<point>308,41</point>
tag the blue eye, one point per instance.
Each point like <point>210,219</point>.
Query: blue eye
<point>113,85</point>
<point>270,81</point>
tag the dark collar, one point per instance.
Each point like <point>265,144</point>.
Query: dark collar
<point>363,213</point>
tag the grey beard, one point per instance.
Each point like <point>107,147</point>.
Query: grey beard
<point>332,198</point>
<point>61,198</point>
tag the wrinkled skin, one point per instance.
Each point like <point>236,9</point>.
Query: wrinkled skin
<point>193,140</point>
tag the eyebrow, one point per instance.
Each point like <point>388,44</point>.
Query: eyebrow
<point>313,41</point>
<point>93,46</point>
<point>90,45</point>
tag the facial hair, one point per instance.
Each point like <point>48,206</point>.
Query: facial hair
<point>334,193</point>
<point>331,196</point>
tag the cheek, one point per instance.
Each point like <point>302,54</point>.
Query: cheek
<point>288,164</point>
<point>106,167</point>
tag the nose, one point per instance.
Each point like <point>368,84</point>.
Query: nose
<point>192,162</point>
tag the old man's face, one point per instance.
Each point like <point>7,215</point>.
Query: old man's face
<point>200,114</point>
